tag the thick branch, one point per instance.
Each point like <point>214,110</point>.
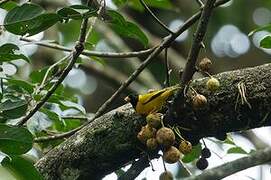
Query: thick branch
<point>257,158</point>
<point>110,141</point>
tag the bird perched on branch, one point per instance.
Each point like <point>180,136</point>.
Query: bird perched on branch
<point>151,102</point>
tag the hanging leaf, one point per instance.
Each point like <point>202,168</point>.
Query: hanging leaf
<point>8,53</point>
<point>15,140</point>
<point>11,109</point>
<point>29,19</point>
<point>69,104</point>
<point>77,12</point>
<point>126,28</point>
<point>21,84</point>
<point>266,42</point>
<point>21,168</point>
<point>236,150</point>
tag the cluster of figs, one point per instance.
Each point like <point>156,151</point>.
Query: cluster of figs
<point>156,136</point>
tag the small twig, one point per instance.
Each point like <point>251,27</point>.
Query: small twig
<point>52,66</point>
<point>186,170</point>
<point>242,93</point>
<point>2,86</point>
<point>75,117</point>
<point>92,53</point>
<point>155,17</point>
<point>201,4</point>
<point>167,81</point>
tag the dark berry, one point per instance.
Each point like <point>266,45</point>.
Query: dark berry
<point>205,153</point>
<point>202,163</point>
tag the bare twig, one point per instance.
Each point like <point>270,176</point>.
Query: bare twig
<point>257,158</point>
<point>200,3</point>
<point>155,17</point>
<point>190,69</point>
<point>92,53</point>
<point>167,73</point>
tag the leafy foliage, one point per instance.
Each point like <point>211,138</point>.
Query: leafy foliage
<point>126,28</point>
<point>22,168</point>
<point>29,19</point>
<point>15,140</point>
<point>8,53</point>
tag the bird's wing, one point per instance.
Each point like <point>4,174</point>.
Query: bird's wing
<point>152,96</point>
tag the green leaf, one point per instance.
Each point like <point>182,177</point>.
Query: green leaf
<point>22,84</point>
<point>15,140</point>
<point>37,76</point>
<point>229,140</point>
<point>9,105</point>
<point>236,150</point>
<point>21,168</point>
<point>77,12</point>
<point>266,42</point>
<point>194,154</point>
<point>126,28</point>
<point>263,28</point>
<point>29,19</point>
<point>8,5</point>
<point>12,109</point>
<point>8,53</point>
<point>69,104</point>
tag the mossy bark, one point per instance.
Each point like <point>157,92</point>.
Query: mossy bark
<point>110,141</point>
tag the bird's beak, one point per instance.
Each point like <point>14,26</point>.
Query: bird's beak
<point>127,99</point>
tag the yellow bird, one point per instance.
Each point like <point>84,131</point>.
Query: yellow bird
<point>151,102</point>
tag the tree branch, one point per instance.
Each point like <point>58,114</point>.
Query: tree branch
<point>190,67</point>
<point>110,141</point>
<point>257,158</point>
<point>91,53</point>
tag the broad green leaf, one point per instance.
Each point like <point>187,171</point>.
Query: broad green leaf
<point>9,105</point>
<point>13,109</point>
<point>236,150</point>
<point>22,84</point>
<point>29,19</point>
<point>15,140</point>
<point>8,53</point>
<point>8,5</point>
<point>126,28</point>
<point>263,28</point>
<point>194,154</point>
<point>21,168</point>
<point>266,42</point>
<point>69,104</point>
<point>77,12</point>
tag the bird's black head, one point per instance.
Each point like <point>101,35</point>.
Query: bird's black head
<point>133,99</point>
